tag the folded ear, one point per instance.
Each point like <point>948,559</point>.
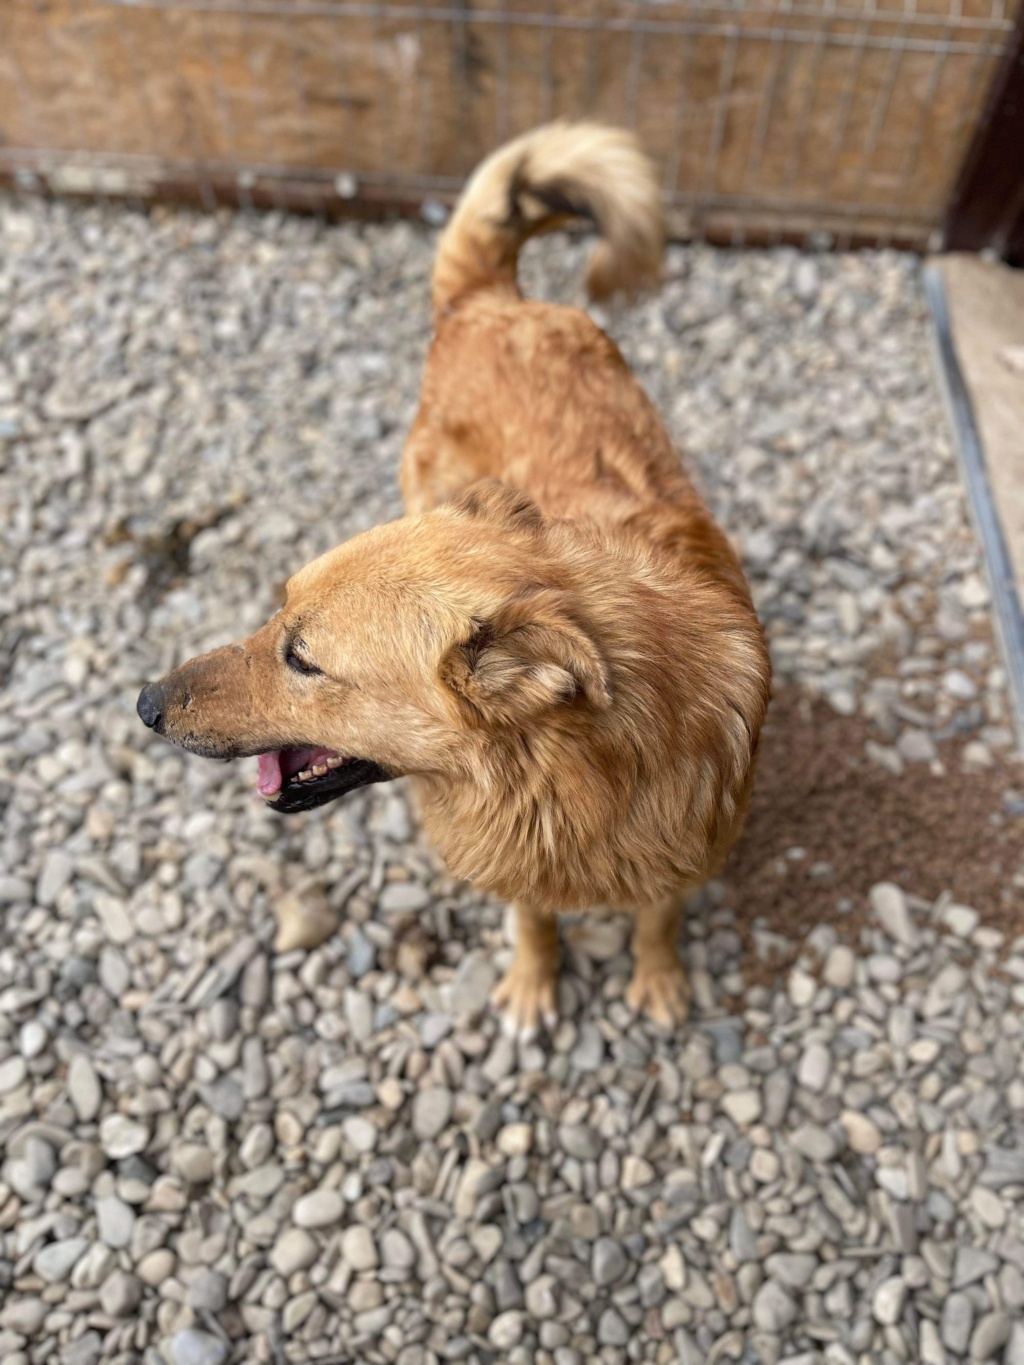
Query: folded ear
<point>531,655</point>
<point>497,502</point>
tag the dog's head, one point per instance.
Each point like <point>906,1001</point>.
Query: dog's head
<point>401,651</point>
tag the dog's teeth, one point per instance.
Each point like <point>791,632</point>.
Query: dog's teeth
<point>320,769</point>
<point>334,763</point>
<point>305,775</point>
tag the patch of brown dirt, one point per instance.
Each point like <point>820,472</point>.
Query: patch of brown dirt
<point>816,791</point>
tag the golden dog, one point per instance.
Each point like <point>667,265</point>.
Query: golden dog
<point>557,643</point>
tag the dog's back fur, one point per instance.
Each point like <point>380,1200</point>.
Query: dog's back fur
<point>628,801</point>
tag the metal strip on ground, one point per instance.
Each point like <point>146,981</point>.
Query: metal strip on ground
<point>1006,605</point>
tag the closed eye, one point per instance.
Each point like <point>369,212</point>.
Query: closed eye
<point>297,659</point>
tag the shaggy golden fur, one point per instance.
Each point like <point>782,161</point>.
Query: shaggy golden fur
<point>557,643</point>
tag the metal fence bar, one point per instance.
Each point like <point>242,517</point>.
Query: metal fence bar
<point>365,9</point>
<point>896,54</point>
<point>260,86</point>
<point>548,86</point>
<point>727,71</point>
<point>916,138</point>
<point>440,184</point>
<point>636,61</point>
<point>458,37</point>
<point>766,107</point>
<point>424,138</point>
<point>804,118</point>
<point>675,158</point>
<point>849,94</point>
<point>206,193</point>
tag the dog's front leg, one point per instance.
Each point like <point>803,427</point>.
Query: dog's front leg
<point>660,986</point>
<point>528,993</point>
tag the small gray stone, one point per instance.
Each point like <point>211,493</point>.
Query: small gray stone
<point>57,872</point>
<point>960,920</point>
<point>120,1295</point>
<point>773,1309</point>
<point>407,897</point>
<point>581,1141</point>
<point>608,1261</point>
<point>1015,1349</point>
<point>12,1074</point>
<point>255,1073</point>
<point>224,1096</point>
<point>506,1330</point>
<point>32,1039</point>
<point>892,912</point>
<point>792,1269</point>
<point>294,1250</point>
<point>742,1106</point>
<point>778,1089</point>
<point>208,1292</point>
<point>932,1350</point>
<point>32,1174</point>
<point>916,746</point>
<point>957,1317</point>
<point>396,1251</point>
<point>742,1241</point>
<point>54,1262</point>
<point>24,1315</point>
<point>121,1136</point>
<point>957,684</point>
<point>361,1133</point>
<point>319,1209</point>
<point>116,1221</point>
<point>840,967</point>
<point>359,1248</point>
<point>542,1297</point>
<point>990,1335</point>
<point>192,1347</point>
<point>359,1014</point>
<point>814,1142</point>
<point>431,1110</point>
<point>508,1288</point>
<point>815,1067</point>
<point>14,889</point>
<point>971,1265</point>
<point>888,1300</point>
<point>84,1350</point>
<point>194,1162</point>
<point>84,1087</point>
<point>611,1330</point>
<point>473,984</point>
<point>588,1054</point>
<point>361,956</point>
<point>1003,1166</point>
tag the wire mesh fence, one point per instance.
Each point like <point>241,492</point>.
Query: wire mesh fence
<point>843,121</point>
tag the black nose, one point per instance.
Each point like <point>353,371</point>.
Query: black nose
<point>148,706</point>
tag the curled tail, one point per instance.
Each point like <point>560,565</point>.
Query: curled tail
<point>537,183</point>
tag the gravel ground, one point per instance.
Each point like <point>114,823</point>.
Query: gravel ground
<point>217,1152</point>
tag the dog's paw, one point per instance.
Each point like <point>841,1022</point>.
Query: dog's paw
<point>527,997</point>
<point>661,992</point>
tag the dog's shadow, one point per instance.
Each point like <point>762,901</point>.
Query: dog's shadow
<point>827,822</point>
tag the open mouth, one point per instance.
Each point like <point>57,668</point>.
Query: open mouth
<point>292,780</point>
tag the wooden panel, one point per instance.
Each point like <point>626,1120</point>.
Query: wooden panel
<point>813,113</point>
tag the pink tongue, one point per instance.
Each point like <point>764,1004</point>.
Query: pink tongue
<point>269,780</point>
